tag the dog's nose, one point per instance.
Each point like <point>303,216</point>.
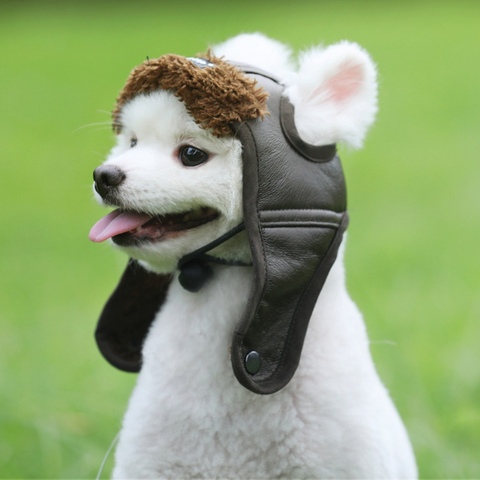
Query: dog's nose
<point>107,178</point>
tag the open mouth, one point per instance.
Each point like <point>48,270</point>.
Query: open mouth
<point>128,228</point>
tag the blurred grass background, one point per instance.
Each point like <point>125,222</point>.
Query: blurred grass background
<point>414,198</point>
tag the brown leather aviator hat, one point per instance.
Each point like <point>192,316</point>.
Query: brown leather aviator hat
<point>294,202</point>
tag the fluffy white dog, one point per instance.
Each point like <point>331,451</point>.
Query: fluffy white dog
<point>177,178</point>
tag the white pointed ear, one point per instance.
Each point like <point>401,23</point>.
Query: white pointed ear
<point>258,50</point>
<point>334,94</point>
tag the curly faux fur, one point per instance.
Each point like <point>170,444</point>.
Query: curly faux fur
<point>216,95</point>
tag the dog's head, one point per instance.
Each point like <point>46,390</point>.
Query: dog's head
<point>176,174</point>
<point>208,147</point>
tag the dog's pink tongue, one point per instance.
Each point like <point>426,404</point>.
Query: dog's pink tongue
<point>115,223</point>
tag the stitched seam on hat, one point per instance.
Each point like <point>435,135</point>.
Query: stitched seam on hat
<point>300,217</point>
<point>259,227</point>
<point>301,210</point>
<point>265,270</point>
<point>280,224</point>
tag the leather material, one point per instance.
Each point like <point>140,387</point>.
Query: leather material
<point>128,314</point>
<point>294,214</point>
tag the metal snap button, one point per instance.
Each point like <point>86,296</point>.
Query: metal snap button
<point>253,362</point>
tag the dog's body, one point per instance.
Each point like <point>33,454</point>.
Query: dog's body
<point>188,416</point>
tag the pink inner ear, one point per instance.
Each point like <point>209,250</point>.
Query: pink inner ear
<point>344,84</point>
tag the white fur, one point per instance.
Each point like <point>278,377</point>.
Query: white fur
<point>335,94</point>
<point>260,51</point>
<point>188,416</point>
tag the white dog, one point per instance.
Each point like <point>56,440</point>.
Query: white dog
<point>179,182</point>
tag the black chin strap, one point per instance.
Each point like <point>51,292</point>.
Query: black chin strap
<point>194,268</point>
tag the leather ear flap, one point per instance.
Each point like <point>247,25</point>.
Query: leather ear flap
<point>128,314</point>
<point>295,214</point>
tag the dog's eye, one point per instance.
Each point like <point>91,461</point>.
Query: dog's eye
<point>133,142</point>
<point>192,156</point>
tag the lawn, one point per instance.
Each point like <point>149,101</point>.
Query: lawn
<point>414,201</point>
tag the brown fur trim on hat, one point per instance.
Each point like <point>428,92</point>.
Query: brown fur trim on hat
<point>216,95</point>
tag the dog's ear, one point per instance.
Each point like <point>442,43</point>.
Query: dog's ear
<point>334,94</point>
<point>128,314</point>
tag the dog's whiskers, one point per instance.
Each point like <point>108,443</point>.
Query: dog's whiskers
<point>104,126</point>
<point>105,458</point>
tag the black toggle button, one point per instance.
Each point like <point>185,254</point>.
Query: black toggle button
<point>194,275</point>
<point>253,362</point>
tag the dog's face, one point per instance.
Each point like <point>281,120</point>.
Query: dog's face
<point>175,185</point>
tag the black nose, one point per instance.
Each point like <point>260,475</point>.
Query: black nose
<point>107,179</point>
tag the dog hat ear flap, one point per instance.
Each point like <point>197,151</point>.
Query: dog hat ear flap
<point>295,214</point>
<point>128,314</point>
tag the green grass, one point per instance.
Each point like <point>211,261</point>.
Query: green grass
<point>414,200</point>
